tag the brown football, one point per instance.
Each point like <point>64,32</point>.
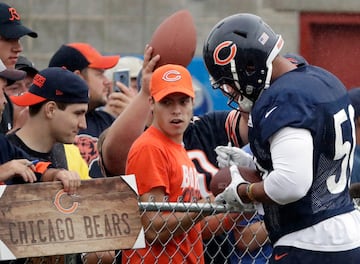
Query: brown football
<point>175,39</point>
<point>222,178</point>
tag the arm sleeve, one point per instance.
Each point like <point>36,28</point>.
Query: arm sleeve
<point>292,156</point>
<point>42,166</point>
<point>154,173</point>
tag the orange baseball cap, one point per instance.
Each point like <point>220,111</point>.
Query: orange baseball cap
<point>171,78</point>
<point>78,56</point>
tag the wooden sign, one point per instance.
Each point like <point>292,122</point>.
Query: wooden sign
<point>40,219</point>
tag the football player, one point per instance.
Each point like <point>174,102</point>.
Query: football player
<point>301,132</point>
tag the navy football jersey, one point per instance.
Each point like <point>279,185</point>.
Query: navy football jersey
<point>311,98</point>
<point>207,132</point>
<point>201,137</point>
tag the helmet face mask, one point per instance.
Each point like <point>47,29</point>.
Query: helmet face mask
<point>239,52</point>
<point>236,100</point>
<point>232,95</point>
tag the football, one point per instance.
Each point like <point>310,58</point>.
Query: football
<point>175,39</point>
<point>222,178</point>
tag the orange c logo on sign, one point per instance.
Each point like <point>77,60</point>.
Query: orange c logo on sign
<point>13,14</point>
<point>61,209</point>
<point>221,46</point>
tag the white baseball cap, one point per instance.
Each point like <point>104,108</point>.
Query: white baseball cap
<point>134,64</point>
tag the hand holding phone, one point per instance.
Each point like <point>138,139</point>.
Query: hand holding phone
<point>123,76</point>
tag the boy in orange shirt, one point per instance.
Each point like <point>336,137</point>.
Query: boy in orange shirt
<point>163,169</point>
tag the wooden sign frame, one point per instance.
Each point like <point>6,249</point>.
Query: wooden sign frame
<point>40,219</point>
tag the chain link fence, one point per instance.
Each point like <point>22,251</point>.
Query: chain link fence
<point>228,236</point>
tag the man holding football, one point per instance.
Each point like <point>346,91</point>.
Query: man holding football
<point>301,132</point>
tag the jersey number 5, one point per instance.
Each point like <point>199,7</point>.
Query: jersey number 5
<point>343,150</point>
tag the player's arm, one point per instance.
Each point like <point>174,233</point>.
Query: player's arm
<point>292,157</point>
<point>162,226</point>
<point>130,123</point>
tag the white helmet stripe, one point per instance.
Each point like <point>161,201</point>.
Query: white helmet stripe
<point>274,52</point>
<point>234,74</point>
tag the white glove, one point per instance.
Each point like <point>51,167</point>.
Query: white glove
<point>228,156</point>
<point>230,197</point>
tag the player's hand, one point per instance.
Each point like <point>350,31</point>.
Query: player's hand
<point>230,196</point>
<point>117,101</point>
<point>70,180</point>
<point>228,156</point>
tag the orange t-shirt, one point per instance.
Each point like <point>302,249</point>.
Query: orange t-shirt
<point>157,161</point>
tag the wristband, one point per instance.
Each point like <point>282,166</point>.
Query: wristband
<point>249,193</point>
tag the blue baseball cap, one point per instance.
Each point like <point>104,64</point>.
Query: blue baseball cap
<point>79,55</point>
<point>10,24</point>
<point>54,84</point>
<point>26,65</point>
<point>10,75</point>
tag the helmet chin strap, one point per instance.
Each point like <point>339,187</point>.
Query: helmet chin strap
<point>244,103</point>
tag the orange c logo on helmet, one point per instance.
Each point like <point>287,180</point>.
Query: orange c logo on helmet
<point>171,76</point>
<point>231,56</point>
<point>58,205</point>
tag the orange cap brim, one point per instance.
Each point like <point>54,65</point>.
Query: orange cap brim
<point>104,62</point>
<point>27,99</point>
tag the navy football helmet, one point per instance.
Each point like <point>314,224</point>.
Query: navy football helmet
<point>239,52</point>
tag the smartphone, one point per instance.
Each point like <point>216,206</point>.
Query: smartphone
<point>123,76</point>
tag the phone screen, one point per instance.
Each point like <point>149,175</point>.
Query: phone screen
<point>123,76</point>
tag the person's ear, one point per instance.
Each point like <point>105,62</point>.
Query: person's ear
<point>50,109</point>
<point>152,103</point>
<point>78,72</point>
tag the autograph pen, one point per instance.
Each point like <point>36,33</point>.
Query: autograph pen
<point>33,162</point>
